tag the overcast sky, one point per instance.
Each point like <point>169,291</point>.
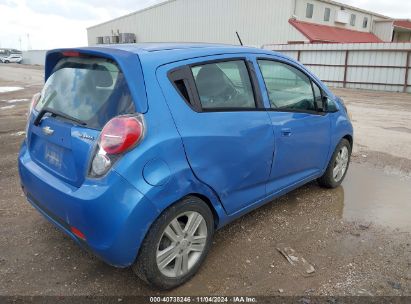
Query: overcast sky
<point>45,24</point>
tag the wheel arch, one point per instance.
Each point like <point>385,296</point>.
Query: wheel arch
<point>204,198</point>
<point>350,139</point>
<point>207,201</point>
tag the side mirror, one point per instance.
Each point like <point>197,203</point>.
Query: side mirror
<point>329,105</point>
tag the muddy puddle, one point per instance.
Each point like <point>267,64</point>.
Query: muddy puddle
<point>370,195</point>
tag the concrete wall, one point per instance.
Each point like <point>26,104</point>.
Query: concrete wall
<point>372,66</point>
<point>37,57</point>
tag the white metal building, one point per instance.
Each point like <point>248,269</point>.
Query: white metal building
<point>258,22</point>
<point>36,57</point>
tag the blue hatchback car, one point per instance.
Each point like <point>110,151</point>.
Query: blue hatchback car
<point>140,152</point>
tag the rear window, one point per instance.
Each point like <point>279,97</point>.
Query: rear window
<point>90,90</point>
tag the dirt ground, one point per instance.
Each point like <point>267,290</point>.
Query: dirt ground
<point>357,236</point>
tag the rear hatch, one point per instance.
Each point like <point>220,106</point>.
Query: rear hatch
<point>80,96</point>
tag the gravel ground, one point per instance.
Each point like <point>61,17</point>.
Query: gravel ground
<point>357,236</point>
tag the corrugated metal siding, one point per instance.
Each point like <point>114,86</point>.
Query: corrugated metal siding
<point>258,22</point>
<point>292,54</point>
<point>409,75</point>
<point>377,58</point>
<point>324,57</point>
<point>374,66</point>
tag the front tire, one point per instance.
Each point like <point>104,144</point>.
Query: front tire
<point>176,244</point>
<point>338,166</point>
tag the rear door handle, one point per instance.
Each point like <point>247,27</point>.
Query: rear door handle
<point>286,132</point>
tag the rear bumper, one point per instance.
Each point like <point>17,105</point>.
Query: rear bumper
<point>112,214</point>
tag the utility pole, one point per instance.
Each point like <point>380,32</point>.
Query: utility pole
<point>28,42</point>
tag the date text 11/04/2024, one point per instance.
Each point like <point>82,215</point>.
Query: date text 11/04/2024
<point>216,299</point>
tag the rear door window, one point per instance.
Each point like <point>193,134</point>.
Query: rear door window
<point>90,90</point>
<point>224,85</point>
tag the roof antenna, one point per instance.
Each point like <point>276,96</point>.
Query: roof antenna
<point>239,39</point>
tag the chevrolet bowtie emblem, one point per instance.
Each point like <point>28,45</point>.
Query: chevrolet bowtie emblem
<point>47,130</point>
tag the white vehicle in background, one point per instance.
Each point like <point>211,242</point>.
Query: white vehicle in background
<point>10,55</point>
<point>16,58</point>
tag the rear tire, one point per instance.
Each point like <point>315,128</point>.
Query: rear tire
<point>338,166</point>
<point>176,244</point>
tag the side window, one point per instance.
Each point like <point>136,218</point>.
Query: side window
<point>352,19</point>
<point>309,10</point>
<point>181,78</point>
<point>288,88</point>
<point>365,22</point>
<point>224,85</point>
<point>327,12</point>
<point>181,86</point>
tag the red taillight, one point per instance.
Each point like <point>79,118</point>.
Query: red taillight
<point>78,233</point>
<point>71,54</point>
<point>120,134</point>
<point>34,101</point>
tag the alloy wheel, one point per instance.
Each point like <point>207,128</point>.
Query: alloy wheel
<point>341,164</point>
<point>181,244</point>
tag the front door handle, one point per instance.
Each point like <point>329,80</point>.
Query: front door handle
<point>286,132</point>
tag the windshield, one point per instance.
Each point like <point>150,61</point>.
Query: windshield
<point>90,90</point>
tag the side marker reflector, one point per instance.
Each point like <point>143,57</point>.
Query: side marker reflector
<point>78,233</point>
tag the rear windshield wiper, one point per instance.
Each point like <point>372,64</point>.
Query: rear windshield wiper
<point>56,113</point>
